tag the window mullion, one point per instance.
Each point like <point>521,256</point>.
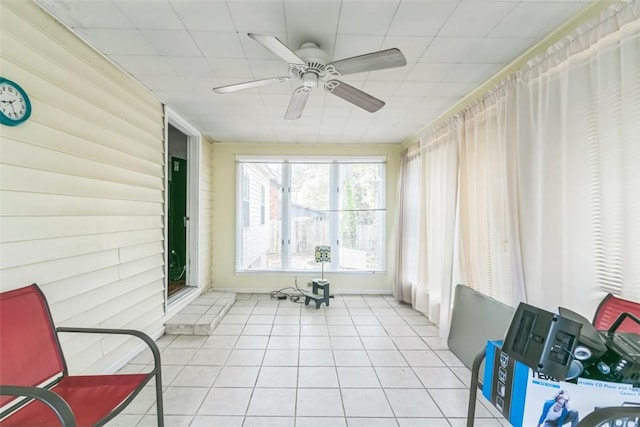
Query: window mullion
<point>334,224</point>
<point>286,216</point>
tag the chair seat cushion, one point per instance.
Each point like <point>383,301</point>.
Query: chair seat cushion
<point>91,399</point>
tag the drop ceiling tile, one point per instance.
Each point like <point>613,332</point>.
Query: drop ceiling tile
<point>411,47</point>
<point>189,66</point>
<point>440,103</point>
<point>144,64</point>
<point>170,82</point>
<point>449,49</point>
<point>204,15</point>
<point>427,72</point>
<point>471,73</point>
<point>366,17</point>
<point>258,16</point>
<point>280,101</point>
<point>266,68</point>
<point>414,88</point>
<point>501,50</point>
<point>392,74</point>
<point>174,97</point>
<point>339,113</point>
<point>117,42</point>
<point>452,89</point>
<point>348,45</point>
<point>312,16</point>
<point>380,89</point>
<point>172,43</point>
<point>150,15</point>
<point>421,18</point>
<point>221,45</point>
<point>403,101</point>
<point>531,20</point>
<point>233,69</point>
<point>475,18</point>
<point>79,14</point>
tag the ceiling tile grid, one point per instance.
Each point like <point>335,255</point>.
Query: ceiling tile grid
<point>181,49</point>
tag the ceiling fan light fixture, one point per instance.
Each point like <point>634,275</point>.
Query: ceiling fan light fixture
<point>310,80</point>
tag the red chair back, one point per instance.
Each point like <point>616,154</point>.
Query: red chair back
<point>31,353</point>
<point>611,308</point>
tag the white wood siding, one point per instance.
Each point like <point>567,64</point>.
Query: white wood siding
<point>81,188</point>
<point>205,214</point>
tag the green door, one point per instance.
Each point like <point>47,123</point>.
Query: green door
<point>177,220</point>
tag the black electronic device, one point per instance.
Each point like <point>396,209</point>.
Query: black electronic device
<point>605,355</point>
<point>542,340</point>
<point>621,362</point>
<point>591,344</point>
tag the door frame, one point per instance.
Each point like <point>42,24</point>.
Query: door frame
<point>194,138</point>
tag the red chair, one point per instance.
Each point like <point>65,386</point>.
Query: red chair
<point>611,308</point>
<point>36,388</point>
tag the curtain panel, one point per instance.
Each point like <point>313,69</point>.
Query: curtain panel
<point>578,147</point>
<point>548,188</point>
<point>427,215</point>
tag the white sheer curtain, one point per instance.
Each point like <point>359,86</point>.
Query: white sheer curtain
<point>408,198</point>
<point>578,153</point>
<point>549,180</point>
<point>427,212</point>
<point>489,235</point>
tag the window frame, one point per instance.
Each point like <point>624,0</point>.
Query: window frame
<point>285,203</point>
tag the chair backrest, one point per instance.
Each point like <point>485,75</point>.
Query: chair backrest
<point>31,353</point>
<point>476,319</point>
<point>610,308</point>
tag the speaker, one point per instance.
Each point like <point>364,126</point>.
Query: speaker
<point>542,340</point>
<point>591,345</point>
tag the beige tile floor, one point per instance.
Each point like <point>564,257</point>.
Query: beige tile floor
<point>365,361</point>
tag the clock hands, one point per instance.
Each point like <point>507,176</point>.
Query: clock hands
<point>11,104</point>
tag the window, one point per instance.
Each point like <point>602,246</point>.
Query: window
<point>246,201</point>
<point>309,202</point>
<point>262,205</point>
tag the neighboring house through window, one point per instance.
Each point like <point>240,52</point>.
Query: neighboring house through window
<point>304,202</point>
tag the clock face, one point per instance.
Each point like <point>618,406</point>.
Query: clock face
<point>15,107</point>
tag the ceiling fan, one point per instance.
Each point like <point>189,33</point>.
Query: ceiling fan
<point>310,65</point>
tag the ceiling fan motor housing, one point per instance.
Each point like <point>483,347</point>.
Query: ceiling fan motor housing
<point>316,60</point>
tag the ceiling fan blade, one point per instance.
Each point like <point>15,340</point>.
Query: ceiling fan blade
<point>276,46</point>
<point>380,60</point>
<point>297,103</point>
<point>353,95</point>
<point>250,85</point>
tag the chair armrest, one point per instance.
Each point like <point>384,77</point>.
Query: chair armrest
<point>144,337</point>
<point>621,319</point>
<point>599,416</point>
<point>49,398</point>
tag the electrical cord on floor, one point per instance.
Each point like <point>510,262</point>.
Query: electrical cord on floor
<point>295,296</point>
<point>291,296</point>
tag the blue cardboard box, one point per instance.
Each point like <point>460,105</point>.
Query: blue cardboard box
<point>529,399</point>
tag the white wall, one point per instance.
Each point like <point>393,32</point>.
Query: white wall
<point>224,220</point>
<point>81,187</point>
